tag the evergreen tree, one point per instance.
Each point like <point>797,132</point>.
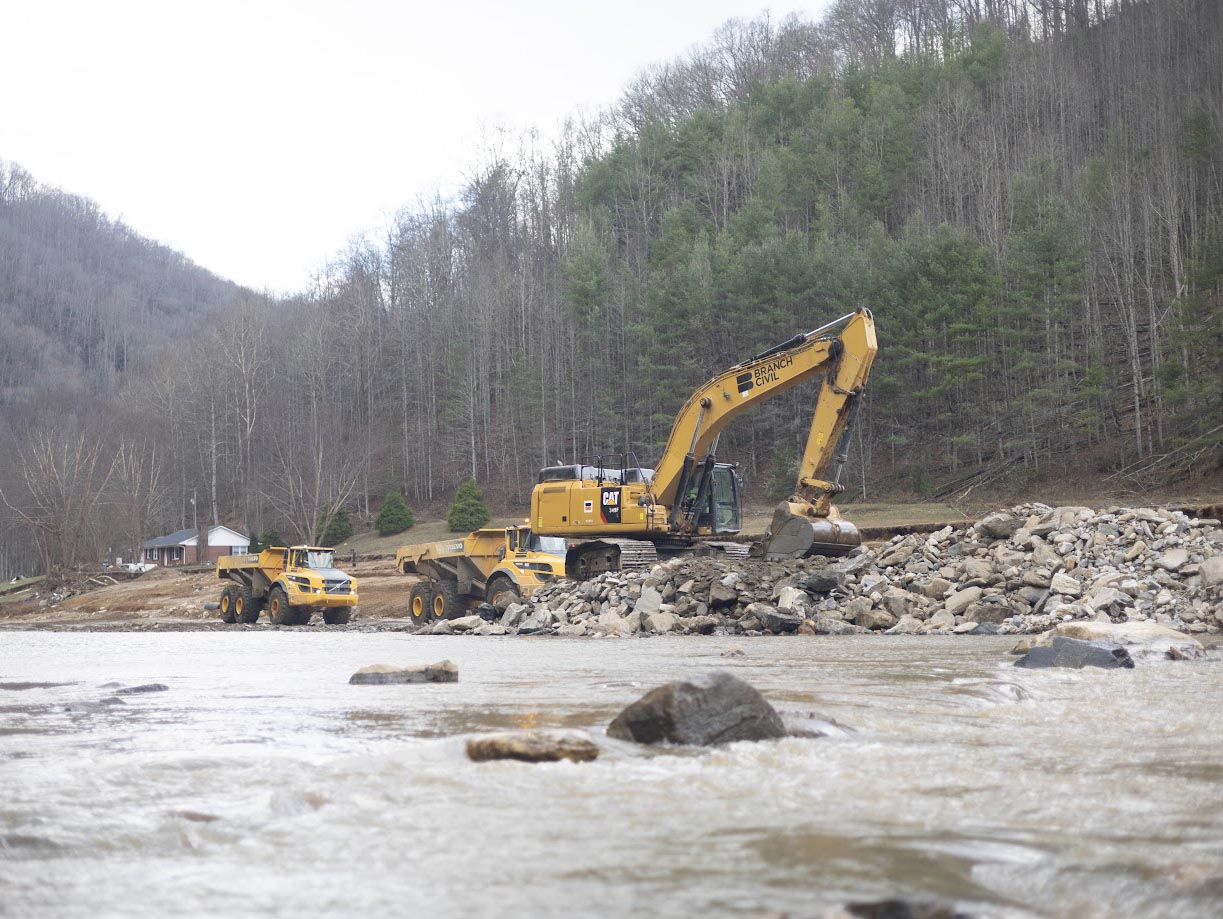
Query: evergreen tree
<point>394,516</point>
<point>468,511</point>
<point>268,539</point>
<point>338,529</point>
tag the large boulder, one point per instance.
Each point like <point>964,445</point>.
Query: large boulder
<point>1143,640</point>
<point>1076,654</point>
<point>775,620</point>
<point>713,709</point>
<point>649,602</point>
<point>377,674</point>
<point>659,622</point>
<point>1210,571</point>
<point>1001,525</point>
<point>962,599</point>
<point>514,613</point>
<point>466,623</point>
<point>533,747</point>
<point>823,580</point>
<point>828,626</point>
<point>875,619</point>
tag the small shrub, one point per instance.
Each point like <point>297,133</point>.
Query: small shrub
<point>468,512</point>
<point>394,516</point>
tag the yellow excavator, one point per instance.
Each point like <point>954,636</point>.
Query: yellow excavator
<point>620,515</point>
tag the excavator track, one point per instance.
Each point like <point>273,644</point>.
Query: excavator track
<point>593,557</point>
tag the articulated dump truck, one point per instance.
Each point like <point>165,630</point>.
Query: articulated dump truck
<point>290,583</point>
<point>453,575</point>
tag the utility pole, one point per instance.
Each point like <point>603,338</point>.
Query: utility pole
<point>195,521</point>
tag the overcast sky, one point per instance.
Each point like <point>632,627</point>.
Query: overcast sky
<point>259,137</point>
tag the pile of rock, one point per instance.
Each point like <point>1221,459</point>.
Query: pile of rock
<point>1022,570</point>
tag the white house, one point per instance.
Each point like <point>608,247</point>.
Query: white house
<point>181,548</point>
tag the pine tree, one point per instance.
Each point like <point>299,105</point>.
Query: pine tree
<point>268,539</point>
<point>394,516</point>
<point>338,529</point>
<point>468,512</point>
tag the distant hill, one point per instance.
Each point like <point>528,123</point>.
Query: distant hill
<point>84,298</point>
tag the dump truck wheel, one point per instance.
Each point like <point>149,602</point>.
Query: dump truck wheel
<point>278,607</point>
<point>302,614</point>
<point>501,585</point>
<point>420,603</point>
<point>447,603</point>
<point>246,607</point>
<point>227,604</point>
<point>340,615</point>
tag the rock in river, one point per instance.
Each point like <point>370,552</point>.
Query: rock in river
<point>533,747</point>
<point>718,708</point>
<point>1076,653</point>
<point>441,672</point>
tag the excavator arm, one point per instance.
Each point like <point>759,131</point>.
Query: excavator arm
<point>845,361</point>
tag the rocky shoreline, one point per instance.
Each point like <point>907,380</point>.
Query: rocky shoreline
<point>1023,570</point>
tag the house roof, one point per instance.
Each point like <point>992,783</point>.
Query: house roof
<point>174,539</point>
<point>188,538</point>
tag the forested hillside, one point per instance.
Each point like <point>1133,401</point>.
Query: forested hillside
<point>1026,192</point>
<point>85,305</point>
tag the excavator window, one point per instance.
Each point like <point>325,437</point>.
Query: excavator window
<point>725,500</point>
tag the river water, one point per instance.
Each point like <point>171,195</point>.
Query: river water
<point>262,784</point>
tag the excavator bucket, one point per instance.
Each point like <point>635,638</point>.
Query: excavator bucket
<point>793,535</point>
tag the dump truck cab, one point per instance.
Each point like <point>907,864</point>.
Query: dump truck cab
<point>289,582</point>
<point>496,565</point>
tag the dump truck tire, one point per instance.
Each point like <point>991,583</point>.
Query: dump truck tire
<point>340,615</point>
<point>227,604</point>
<point>246,607</point>
<point>447,603</point>
<point>420,602</point>
<point>500,584</point>
<point>302,614</point>
<point>278,607</point>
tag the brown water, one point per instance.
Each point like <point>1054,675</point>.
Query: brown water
<point>261,784</point>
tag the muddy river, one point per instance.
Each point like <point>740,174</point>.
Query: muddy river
<point>262,784</point>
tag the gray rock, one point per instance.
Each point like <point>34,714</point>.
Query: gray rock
<point>875,619</point>
<point>987,612</point>
<point>533,747</point>
<point>897,909</point>
<point>1210,572</point>
<point>792,599</point>
<point>514,613</point>
<point>1076,654</point>
<point>660,622</point>
<point>962,599</point>
<point>1173,560</point>
<point>942,619</point>
<point>1066,585</point>
<point>935,588</point>
<point>378,674</point>
<point>823,580</point>
<point>466,623</point>
<point>721,596</point>
<point>977,569</point>
<point>649,602</point>
<point>703,625</point>
<point>143,688</point>
<point>899,602</point>
<point>907,625</point>
<point>837,627</point>
<point>774,619</point>
<point>1001,525</point>
<point>714,709</point>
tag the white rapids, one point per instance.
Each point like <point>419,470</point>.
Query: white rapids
<point>262,784</point>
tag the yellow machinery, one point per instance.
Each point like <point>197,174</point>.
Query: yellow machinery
<point>289,583</point>
<point>456,573</point>
<point>625,515</point>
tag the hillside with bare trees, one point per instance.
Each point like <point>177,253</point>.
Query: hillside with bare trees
<point>1026,192</point>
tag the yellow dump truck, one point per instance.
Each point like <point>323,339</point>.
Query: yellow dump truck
<point>455,574</point>
<point>290,583</point>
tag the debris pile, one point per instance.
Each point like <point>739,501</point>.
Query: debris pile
<point>1022,570</point>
